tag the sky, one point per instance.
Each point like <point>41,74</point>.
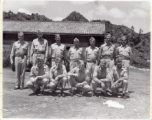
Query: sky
<point>128,13</point>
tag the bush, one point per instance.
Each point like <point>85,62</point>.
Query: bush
<point>6,58</point>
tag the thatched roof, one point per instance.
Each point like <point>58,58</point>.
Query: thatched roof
<point>93,28</point>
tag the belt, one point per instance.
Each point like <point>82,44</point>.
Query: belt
<point>91,61</point>
<point>106,56</point>
<point>74,60</point>
<point>123,57</point>
<point>39,52</point>
<point>19,55</point>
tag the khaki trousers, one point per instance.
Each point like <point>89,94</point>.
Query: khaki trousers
<point>20,66</point>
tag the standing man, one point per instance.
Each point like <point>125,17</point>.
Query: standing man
<point>20,50</point>
<point>75,54</point>
<point>79,78</point>
<point>91,56</point>
<point>57,50</point>
<point>120,79</point>
<point>101,78</point>
<point>107,51</point>
<point>39,46</point>
<point>58,76</point>
<point>124,52</point>
<point>39,76</point>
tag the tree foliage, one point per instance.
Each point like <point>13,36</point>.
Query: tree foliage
<point>24,17</point>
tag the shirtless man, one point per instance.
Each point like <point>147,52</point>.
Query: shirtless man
<point>79,78</point>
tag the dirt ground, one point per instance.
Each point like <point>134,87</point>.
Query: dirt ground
<point>20,104</point>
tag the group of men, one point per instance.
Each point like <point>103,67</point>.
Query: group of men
<point>106,67</point>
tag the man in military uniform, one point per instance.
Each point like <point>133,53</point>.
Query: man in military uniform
<point>75,54</point>
<point>102,78</point>
<point>57,50</point>
<point>39,46</point>
<point>79,78</point>
<point>91,56</point>
<point>58,77</point>
<point>120,79</point>
<point>39,76</point>
<point>124,52</point>
<point>20,50</point>
<point>107,51</point>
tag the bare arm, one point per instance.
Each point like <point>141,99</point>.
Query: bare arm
<point>32,50</point>
<point>12,53</point>
<point>46,75</point>
<point>46,52</point>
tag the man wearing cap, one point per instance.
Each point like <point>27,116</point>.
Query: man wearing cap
<point>101,78</point>
<point>124,52</point>
<point>79,78</point>
<point>91,56</point>
<point>39,76</point>
<point>58,76</point>
<point>75,54</point>
<point>39,46</point>
<point>20,50</point>
<point>107,51</point>
<point>57,50</point>
<point>119,79</point>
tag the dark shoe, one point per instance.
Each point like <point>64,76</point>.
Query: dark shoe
<point>37,91</point>
<point>16,87</point>
<point>42,93</point>
<point>126,95</point>
<point>80,94</point>
<point>59,95</point>
<point>63,95</point>
<point>71,93</point>
<point>53,92</point>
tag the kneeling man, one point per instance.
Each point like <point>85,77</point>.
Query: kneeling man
<point>80,78</point>
<point>58,76</point>
<point>120,79</point>
<point>39,76</point>
<point>101,78</point>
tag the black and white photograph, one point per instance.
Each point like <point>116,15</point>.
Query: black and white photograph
<point>76,59</point>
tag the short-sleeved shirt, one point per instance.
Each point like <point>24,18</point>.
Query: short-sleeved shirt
<point>125,51</point>
<point>54,71</point>
<point>19,48</point>
<point>107,49</point>
<point>38,47</point>
<point>75,54</point>
<point>100,74</point>
<point>119,73</point>
<point>35,71</point>
<point>81,75</point>
<point>57,50</point>
<point>91,54</point>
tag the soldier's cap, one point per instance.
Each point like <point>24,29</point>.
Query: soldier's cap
<point>92,38</point>
<point>39,31</point>
<point>57,35</point>
<point>57,59</point>
<point>76,40</point>
<point>20,34</point>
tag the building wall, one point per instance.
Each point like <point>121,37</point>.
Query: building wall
<point>9,39</point>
